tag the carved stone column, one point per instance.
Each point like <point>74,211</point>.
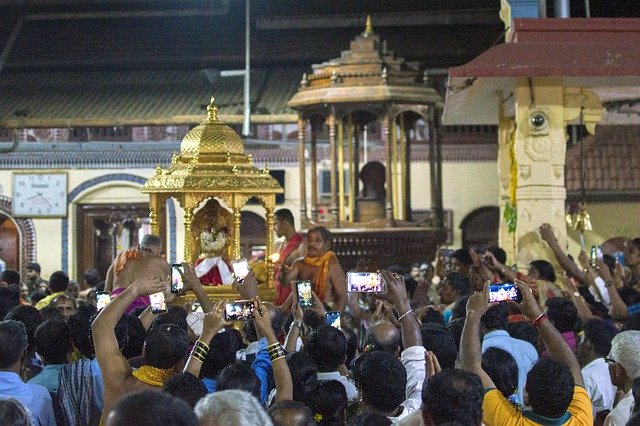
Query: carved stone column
<point>304,219</point>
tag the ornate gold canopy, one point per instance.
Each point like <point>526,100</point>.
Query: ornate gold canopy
<point>212,164</point>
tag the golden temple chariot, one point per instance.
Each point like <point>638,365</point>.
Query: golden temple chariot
<point>213,168</point>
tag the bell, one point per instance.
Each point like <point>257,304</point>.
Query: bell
<point>583,221</point>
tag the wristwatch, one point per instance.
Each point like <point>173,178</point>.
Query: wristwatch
<point>608,283</point>
<point>296,324</point>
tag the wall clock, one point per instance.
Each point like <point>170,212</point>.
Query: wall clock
<point>40,194</point>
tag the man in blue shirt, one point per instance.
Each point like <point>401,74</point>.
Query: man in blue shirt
<point>494,324</point>
<point>55,346</point>
<point>13,344</point>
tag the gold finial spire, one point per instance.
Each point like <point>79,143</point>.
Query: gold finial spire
<point>368,28</point>
<point>212,111</point>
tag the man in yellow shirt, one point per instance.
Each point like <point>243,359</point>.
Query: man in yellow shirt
<point>58,283</point>
<point>554,387</point>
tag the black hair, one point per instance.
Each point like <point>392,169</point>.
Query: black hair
<point>545,270</point>
<point>463,256</point>
<point>352,344</point>
<point>165,345</point>
<point>459,283</point>
<point>239,376</point>
<point>328,347</point>
<point>632,323</point>
<point>501,367</point>
<point>432,316</point>
<point>187,387</point>
<point>550,387</point>
<point>285,215</point>
<point>629,295</point>
<point>496,317</point>
<point>369,419</point>
<point>80,325</point>
<point>600,334</point>
<point>50,312</point>
<point>53,341</point>
<point>59,281</point>
<point>329,399</point>
<point>453,396</point>
<point>390,344</point>
<point>562,313</point>
<point>10,276</point>
<point>410,285</point>
<point>313,320</point>
<point>303,372</point>
<point>174,315</point>
<point>224,347</point>
<point>13,342</point>
<point>437,339</point>
<point>498,253</point>
<point>249,331</point>
<point>382,379</point>
<point>130,334</point>
<point>291,413</point>
<point>459,309</point>
<point>27,315</point>
<point>151,408</point>
<point>13,413</point>
<point>9,298</point>
<point>635,390</point>
<point>324,233</point>
<point>455,327</point>
<point>524,331</point>
<point>37,296</point>
<point>91,277</point>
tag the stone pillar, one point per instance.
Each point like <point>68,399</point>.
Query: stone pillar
<point>506,127</point>
<point>543,109</point>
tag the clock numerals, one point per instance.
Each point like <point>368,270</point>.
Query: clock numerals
<point>40,194</point>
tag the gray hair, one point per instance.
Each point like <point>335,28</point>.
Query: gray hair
<point>230,408</point>
<point>624,350</point>
<point>149,241</point>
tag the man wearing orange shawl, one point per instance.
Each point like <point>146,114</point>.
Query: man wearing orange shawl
<point>322,268</point>
<point>290,250</point>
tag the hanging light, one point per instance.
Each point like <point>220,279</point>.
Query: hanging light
<point>583,219</point>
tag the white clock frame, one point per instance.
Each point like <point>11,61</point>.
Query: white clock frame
<point>41,194</point>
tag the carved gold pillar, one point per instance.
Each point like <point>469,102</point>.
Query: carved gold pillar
<point>333,209</point>
<point>352,169</point>
<point>304,219</point>
<point>340,169</point>
<point>270,223</point>
<point>394,169</point>
<point>154,215</point>
<point>386,129</point>
<point>313,160</point>
<point>237,203</point>
<point>543,109</point>
<point>189,241</point>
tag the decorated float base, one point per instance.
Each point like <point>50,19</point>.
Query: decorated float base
<point>224,292</point>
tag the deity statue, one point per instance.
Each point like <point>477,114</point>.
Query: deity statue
<point>212,266</point>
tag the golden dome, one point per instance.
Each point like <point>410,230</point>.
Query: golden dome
<point>211,137</point>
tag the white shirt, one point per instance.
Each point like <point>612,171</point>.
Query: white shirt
<point>606,300</point>
<point>413,360</point>
<point>621,414</point>
<point>597,383</point>
<point>352,392</point>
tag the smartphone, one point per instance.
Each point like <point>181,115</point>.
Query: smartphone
<point>364,282</point>
<point>176,278</point>
<point>305,296</point>
<point>103,298</point>
<point>240,269</point>
<point>196,307</point>
<point>332,318</point>
<point>596,254</point>
<point>158,304</point>
<point>240,310</point>
<point>503,292</point>
<point>619,256</point>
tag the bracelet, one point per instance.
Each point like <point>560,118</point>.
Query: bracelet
<point>202,346</point>
<point>405,314</point>
<point>296,324</point>
<point>275,351</point>
<point>536,322</point>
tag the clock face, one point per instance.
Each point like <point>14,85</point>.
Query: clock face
<point>40,195</point>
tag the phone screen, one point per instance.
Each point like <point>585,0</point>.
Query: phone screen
<point>176,278</point>
<point>196,307</point>
<point>364,282</point>
<point>239,310</point>
<point>332,318</point>
<point>503,292</point>
<point>158,304</point>
<point>596,254</point>
<point>240,268</point>
<point>103,298</point>
<point>305,297</point>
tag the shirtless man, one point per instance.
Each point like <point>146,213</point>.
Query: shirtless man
<point>291,249</point>
<point>322,268</point>
<point>129,265</point>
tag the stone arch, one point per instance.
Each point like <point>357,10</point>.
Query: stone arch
<point>27,235</point>
<point>73,194</point>
<point>480,227</point>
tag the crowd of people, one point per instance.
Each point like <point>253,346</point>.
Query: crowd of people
<point>430,349</point>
